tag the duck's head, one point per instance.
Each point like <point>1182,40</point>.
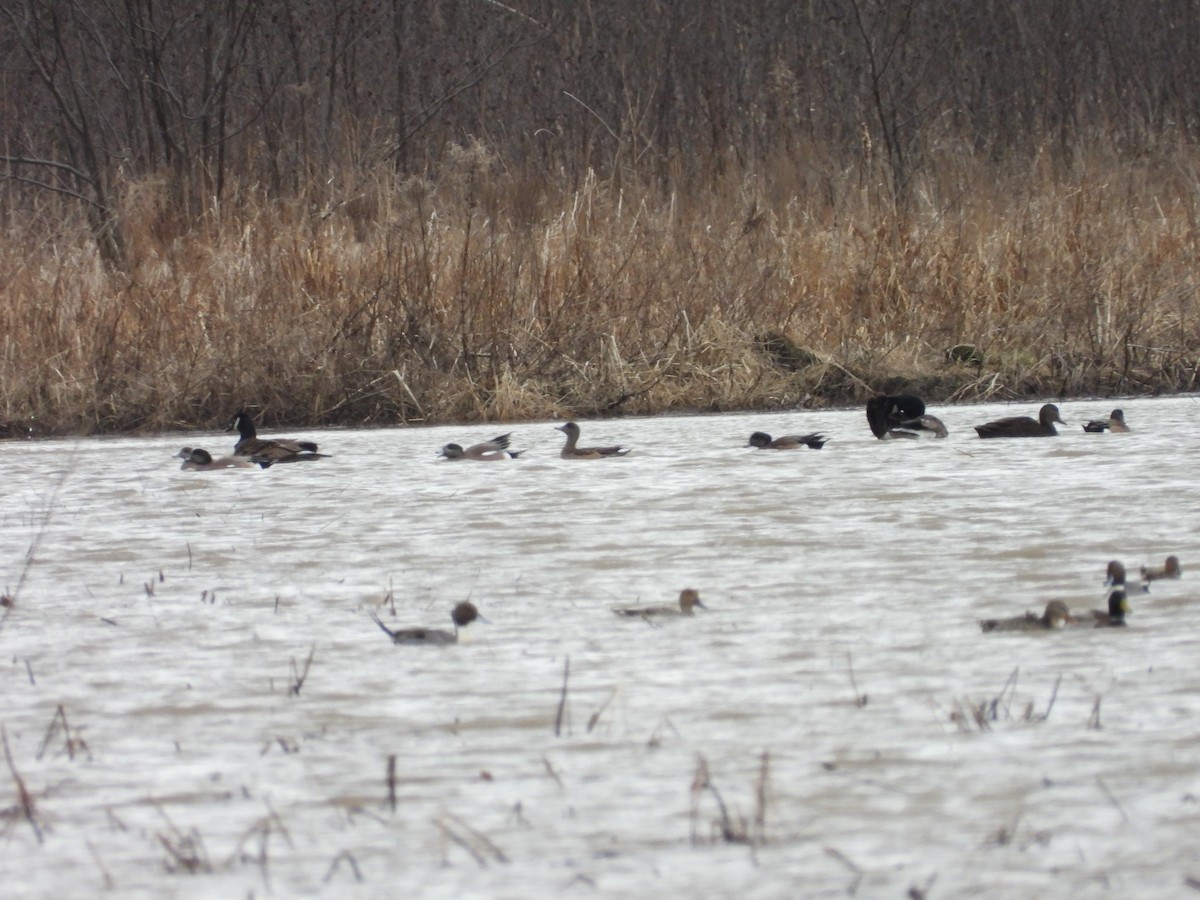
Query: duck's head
<point>1048,415</point>
<point>568,428</point>
<point>689,598</point>
<point>759,439</point>
<point>1115,574</point>
<point>195,455</point>
<point>1172,566</point>
<point>451,451</point>
<point>465,613</point>
<point>1057,614</point>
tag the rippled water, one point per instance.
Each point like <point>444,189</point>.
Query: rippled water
<point>166,613</point>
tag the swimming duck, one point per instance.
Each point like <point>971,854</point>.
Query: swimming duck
<point>1024,426</point>
<point>570,451</point>
<point>267,452</point>
<point>689,599</point>
<point>196,458</point>
<point>764,441</point>
<point>1114,423</point>
<point>886,412</point>
<point>487,451</point>
<point>1114,577</point>
<point>1170,569</point>
<point>1118,607</point>
<point>1056,616</point>
<point>918,427</point>
<point>462,615</point>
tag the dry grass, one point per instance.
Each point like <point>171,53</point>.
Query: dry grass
<point>484,295</point>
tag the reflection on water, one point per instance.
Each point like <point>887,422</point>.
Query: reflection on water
<point>172,614</point>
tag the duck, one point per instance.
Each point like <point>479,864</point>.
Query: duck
<point>1057,615</point>
<point>570,451</point>
<point>1170,569</point>
<point>487,451</point>
<point>201,460</point>
<point>889,411</point>
<point>1118,608</point>
<point>1115,423</point>
<point>689,599</point>
<point>1114,577</point>
<point>1024,426</point>
<point>462,615</point>
<point>764,441</point>
<point>266,452</point>
<point>922,426</point>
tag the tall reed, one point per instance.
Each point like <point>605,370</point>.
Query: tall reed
<point>491,291</point>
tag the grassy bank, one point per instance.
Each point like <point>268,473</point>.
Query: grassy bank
<point>484,294</point>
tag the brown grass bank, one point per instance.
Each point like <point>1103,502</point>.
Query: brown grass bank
<point>483,293</point>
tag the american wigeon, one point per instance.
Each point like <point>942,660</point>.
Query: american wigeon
<point>266,452</point>
<point>462,615</point>
<point>1170,569</point>
<point>689,599</point>
<point>890,411</point>
<point>1057,615</point>
<point>570,451</point>
<point>764,441</point>
<point>1114,577</point>
<point>487,451</point>
<point>201,460</point>
<point>1024,426</point>
<point>922,426</point>
<point>1118,608</point>
<point>1114,423</point>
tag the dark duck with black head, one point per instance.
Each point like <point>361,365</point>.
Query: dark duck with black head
<point>894,416</point>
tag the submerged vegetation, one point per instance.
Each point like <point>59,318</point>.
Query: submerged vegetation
<point>748,209</point>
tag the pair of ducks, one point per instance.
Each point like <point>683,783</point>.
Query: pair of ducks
<point>466,612</point>
<point>1058,615</point>
<point>1043,425</point>
<point>250,450</point>
<point>497,448</point>
<point>893,416</point>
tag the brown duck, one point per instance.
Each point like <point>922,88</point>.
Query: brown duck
<point>570,451</point>
<point>1056,616</point>
<point>1024,426</point>
<point>1115,423</point>
<point>689,599</point>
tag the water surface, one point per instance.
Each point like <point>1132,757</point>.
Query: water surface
<point>168,613</point>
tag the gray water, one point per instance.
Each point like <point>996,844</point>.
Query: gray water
<point>168,612</point>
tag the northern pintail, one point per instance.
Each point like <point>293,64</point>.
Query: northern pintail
<point>689,599</point>
<point>462,615</point>
<point>570,451</point>
<point>1170,569</point>
<point>1114,577</point>
<point>1024,426</point>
